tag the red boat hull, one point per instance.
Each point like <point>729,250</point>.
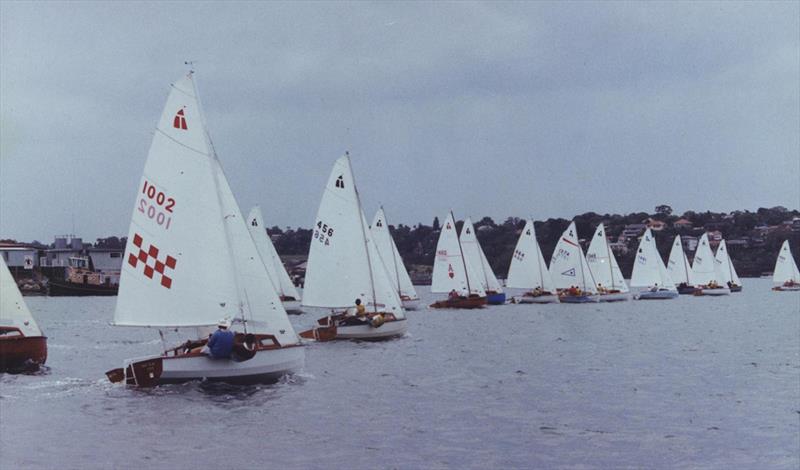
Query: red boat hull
<point>22,353</point>
<point>470,302</point>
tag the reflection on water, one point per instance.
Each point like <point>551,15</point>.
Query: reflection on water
<point>698,382</point>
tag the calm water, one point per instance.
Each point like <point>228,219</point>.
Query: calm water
<point>692,382</point>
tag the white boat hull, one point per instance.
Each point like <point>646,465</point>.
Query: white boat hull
<point>715,292</point>
<point>411,304</point>
<point>614,297</point>
<point>787,288</point>
<point>540,299</point>
<point>265,366</point>
<point>367,332</point>
<point>292,306</point>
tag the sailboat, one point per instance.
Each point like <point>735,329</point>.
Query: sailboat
<point>528,270</point>
<point>23,347</point>
<point>570,271</point>
<point>344,266</point>
<point>453,273</point>
<point>393,262</point>
<point>706,271</point>
<point>191,263</point>
<point>474,255</point>
<point>786,273</point>
<point>610,284</point>
<point>649,273</point>
<point>725,265</point>
<point>679,269</point>
<point>277,272</point>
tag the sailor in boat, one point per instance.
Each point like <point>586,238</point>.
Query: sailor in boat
<point>537,291</point>
<point>220,343</point>
<point>601,289</point>
<point>654,288</point>
<point>453,295</point>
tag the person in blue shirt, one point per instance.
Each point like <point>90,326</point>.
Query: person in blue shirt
<point>220,344</point>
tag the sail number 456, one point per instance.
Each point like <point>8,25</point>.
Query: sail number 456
<point>323,233</point>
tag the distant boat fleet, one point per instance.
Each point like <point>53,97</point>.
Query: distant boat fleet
<point>232,277</point>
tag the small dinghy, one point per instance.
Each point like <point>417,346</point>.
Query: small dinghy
<point>729,276</point>
<point>281,282</point>
<point>475,256</point>
<point>786,274</point>
<point>678,268</point>
<point>650,275</point>
<point>611,286</point>
<point>23,347</point>
<point>706,272</point>
<point>392,260</point>
<point>453,274</point>
<point>190,261</point>
<point>570,271</point>
<point>528,270</point>
<point>345,272</point>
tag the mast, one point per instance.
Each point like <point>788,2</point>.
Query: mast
<point>608,253</point>
<point>478,244</point>
<point>538,255</point>
<point>685,261</point>
<point>461,250</point>
<point>394,258</point>
<point>364,234</point>
<point>225,217</point>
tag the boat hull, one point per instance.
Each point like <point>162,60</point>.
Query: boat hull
<point>537,299</point>
<point>717,291</point>
<point>292,307</point>
<point>389,329</point>
<point>265,367</point>
<point>735,288</point>
<point>658,295</point>
<point>410,304</point>
<point>461,302</point>
<point>578,299</point>
<point>614,297</point>
<point>22,353</point>
<point>73,289</point>
<point>686,290</point>
<point>495,298</point>
<point>787,288</point>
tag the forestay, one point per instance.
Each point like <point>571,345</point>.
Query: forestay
<point>678,265</point>
<point>528,269</point>
<point>390,256</point>
<point>13,311</point>
<point>785,266</point>
<point>648,268</point>
<point>343,262</point>
<point>725,265</point>
<point>603,264</point>
<point>475,257</point>
<point>704,268</point>
<point>277,272</point>
<point>450,269</point>
<point>568,266</point>
<point>190,260</point>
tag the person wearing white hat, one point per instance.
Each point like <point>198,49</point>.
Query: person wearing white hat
<point>220,343</point>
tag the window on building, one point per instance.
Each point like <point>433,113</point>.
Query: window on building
<point>116,255</point>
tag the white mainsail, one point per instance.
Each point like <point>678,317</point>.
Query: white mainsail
<point>475,257</point>
<point>704,268</point>
<point>190,259</point>
<point>343,262</point>
<point>678,266</point>
<point>785,266</point>
<point>648,268</point>
<point>603,264</point>
<point>725,265</point>
<point>528,269</point>
<point>391,257</point>
<point>13,311</point>
<point>451,270</point>
<point>568,266</point>
<point>277,272</point>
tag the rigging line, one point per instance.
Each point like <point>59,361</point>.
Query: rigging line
<point>182,144</point>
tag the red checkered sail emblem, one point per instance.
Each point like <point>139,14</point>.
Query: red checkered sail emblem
<point>149,259</point>
<point>180,120</point>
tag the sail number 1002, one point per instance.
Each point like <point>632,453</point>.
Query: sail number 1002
<point>156,205</point>
<point>323,233</point>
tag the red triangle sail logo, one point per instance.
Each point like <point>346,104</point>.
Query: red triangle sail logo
<point>179,122</point>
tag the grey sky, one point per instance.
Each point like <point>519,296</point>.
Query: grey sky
<point>542,109</point>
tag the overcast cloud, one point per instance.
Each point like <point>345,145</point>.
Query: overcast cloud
<point>499,109</point>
